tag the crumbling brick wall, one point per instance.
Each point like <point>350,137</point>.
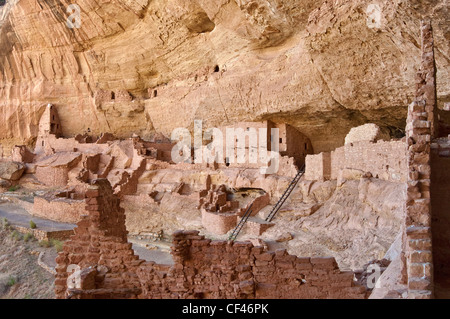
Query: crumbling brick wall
<point>106,266</point>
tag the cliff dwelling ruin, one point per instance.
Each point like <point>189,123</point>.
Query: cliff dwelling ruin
<point>357,207</point>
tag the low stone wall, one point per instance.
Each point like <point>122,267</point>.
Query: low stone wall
<point>44,265</point>
<point>58,209</point>
<point>221,269</point>
<point>384,160</point>
<point>106,266</point>
<point>40,234</point>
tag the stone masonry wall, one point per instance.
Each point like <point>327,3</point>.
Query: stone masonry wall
<point>440,203</point>
<point>58,209</point>
<point>226,269</point>
<point>419,132</point>
<point>385,160</point>
<point>318,167</point>
<point>106,267</point>
<point>53,176</point>
<point>99,252</point>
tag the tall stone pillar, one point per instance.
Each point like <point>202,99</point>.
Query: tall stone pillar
<point>421,127</point>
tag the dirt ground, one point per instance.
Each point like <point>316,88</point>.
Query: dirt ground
<point>20,275</point>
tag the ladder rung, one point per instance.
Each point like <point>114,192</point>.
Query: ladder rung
<point>241,223</point>
<point>286,194</point>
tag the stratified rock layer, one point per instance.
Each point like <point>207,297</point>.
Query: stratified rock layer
<point>144,66</point>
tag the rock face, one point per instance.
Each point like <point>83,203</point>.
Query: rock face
<point>356,222</point>
<point>11,171</point>
<point>134,64</point>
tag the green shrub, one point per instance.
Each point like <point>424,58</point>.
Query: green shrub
<point>13,188</point>
<point>4,223</point>
<point>16,235</point>
<point>32,224</point>
<point>57,244</point>
<point>11,281</point>
<point>44,243</point>
<point>28,236</point>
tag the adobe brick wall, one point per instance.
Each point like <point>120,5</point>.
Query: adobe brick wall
<point>202,269</point>
<point>296,144</point>
<point>130,185</point>
<point>292,144</point>
<point>385,160</point>
<point>68,144</point>
<point>58,209</point>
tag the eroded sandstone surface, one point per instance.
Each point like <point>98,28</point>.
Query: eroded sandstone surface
<point>321,66</point>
